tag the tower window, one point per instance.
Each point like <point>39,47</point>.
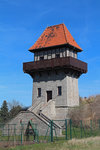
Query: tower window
<point>74,54</point>
<point>39,92</point>
<point>57,55</point>
<point>41,57</point>
<point>49,55</point>
<point>59,90</point>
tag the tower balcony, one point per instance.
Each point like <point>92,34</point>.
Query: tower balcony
<point>68,64</point>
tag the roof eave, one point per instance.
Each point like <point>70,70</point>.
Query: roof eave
<point>55,46</point>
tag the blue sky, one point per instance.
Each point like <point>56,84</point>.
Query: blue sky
<point>23,21</point>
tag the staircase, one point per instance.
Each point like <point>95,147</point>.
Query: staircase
<point>37,109</point>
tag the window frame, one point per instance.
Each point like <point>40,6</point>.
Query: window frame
<point>41,58</point>
<point>39,92</point>
<point>59,90</point>
<point>57,55</point>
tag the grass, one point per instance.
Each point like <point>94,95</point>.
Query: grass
<point>77,132</point>
<point>92,143</point>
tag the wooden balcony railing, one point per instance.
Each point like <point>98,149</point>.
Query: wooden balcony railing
<point>55,63</point>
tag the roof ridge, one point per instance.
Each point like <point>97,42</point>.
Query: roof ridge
<point>55,25</point>
<point>64,32</point>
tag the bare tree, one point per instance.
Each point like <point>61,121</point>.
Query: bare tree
<point>14,103</point>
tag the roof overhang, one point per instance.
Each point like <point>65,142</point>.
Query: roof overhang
<point>56,46</point>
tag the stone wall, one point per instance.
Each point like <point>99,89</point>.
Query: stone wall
<point>72,92</point>
<point>49,109</point>
<point>26,116</point>
<point>50,82</point>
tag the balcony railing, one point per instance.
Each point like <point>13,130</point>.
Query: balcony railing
<point>55,63</point>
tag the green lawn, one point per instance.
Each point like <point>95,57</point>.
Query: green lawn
<point>92,143</point>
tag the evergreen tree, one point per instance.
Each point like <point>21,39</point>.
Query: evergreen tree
<point>4,112</point>
<point>0,116</point>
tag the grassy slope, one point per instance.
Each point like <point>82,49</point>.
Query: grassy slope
<point>83,144</point>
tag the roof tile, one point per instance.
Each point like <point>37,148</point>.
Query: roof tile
<point>54,36</point>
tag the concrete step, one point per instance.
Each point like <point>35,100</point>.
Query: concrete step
<point>36,107</point>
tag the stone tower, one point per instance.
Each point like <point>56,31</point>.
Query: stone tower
<point>55,72</point>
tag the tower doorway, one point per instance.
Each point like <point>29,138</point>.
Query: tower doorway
<point>49,95</point>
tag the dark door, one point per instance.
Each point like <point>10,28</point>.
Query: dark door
<point>49,95</point>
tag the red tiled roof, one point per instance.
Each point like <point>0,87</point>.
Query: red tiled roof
<point>54,36</point>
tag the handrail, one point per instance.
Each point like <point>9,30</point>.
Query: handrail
<point>49,120</point>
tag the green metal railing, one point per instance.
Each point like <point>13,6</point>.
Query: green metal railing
<point>24,133</point>
<point>73,129</point>
<point>16,133</point>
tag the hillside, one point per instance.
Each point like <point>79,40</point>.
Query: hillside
<point>89,109</point>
